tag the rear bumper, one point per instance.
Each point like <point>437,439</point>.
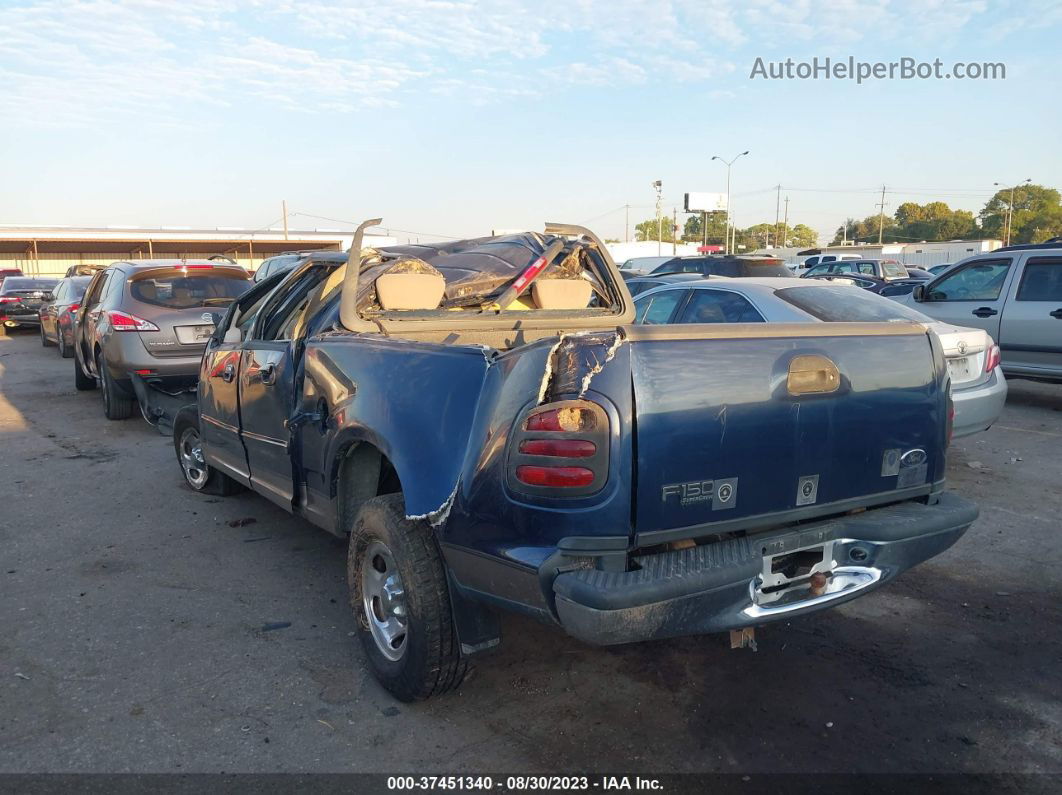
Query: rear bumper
<point>126,353</point>
<point>716,587</point>
<point>977,408</point>
<point>28,318</point>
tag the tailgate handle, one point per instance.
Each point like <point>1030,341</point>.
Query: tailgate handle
<point>1057,313</point>
<point>984,311</point>
<point>812,375</point>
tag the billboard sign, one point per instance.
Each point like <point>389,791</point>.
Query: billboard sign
<point>705,203</point>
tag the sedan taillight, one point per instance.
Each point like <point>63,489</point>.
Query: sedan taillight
<point>122,321</point>
<point>73,308</point>
<point>992,357</point>
<point>10,299</point>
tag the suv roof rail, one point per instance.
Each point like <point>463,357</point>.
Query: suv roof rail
<point>1054,242</point>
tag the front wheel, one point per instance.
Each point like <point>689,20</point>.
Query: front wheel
<point>401,599</point>
<point>82,382</point>
<point>198,474</point>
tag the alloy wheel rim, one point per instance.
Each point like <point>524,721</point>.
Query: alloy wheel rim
<point>191,453</point>
<point>383,599</point>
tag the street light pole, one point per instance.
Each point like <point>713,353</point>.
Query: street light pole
<point>1009,221</point>
<point>658,185</point>
<point>728,164</point>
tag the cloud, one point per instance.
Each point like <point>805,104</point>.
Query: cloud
<point>104,60</point>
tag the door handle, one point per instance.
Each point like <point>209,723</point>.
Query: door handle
<point>268,374</point>
<point>985,311</point>
<point>228,373</point>
<point>1057,313</point>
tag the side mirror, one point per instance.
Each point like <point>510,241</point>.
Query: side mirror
<point>919,292</point>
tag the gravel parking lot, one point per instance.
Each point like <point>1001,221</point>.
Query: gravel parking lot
<point>149,628</point>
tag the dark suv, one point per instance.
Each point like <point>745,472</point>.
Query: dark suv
<point>724,266</point>
<point>149,319</point>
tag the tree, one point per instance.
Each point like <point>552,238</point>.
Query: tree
<point>647,230</point>
<point>803,236</point>
<point>933,221</point>
<point>1037,212</point>
<point>866,231</point>
<point>692,231</point>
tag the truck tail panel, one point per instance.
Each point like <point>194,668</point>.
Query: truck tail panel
<point>743,421</point>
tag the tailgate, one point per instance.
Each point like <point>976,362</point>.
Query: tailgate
<point>722,436</point>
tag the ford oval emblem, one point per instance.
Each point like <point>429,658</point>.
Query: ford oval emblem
<point>913,458</point>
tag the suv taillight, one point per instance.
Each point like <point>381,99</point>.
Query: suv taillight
<point>560,450</point>
<point>123,321</point>
<point>73,308</point>
<point>992,356</point>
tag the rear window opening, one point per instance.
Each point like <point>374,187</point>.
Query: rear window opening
<point>18,284</point>
<point>178,289</point>
<point>834,303</point>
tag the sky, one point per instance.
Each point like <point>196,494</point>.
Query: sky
<point>453,118</point>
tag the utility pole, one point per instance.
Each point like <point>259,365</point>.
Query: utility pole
<point>881,216</point>
<point>777,204</point>
<point>728,164</point>
<point>674,231</point>
<point>785,224</point>
<point>1008,220</point>
<point>284,208</point>
<point>704,229</point>
<point>626,223</point>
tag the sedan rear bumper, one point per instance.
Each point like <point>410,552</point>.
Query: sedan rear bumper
<point>721,586</point>
<point>977,408</point>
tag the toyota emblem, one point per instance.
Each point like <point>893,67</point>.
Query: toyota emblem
<point>962,347</point>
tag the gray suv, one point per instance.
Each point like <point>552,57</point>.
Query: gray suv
<point>149,319</point>
<point>1013,293</point>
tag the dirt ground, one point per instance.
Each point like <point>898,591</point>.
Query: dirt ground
<point>137,634</point>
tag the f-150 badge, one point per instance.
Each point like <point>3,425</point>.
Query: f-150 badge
<point>722,494</point>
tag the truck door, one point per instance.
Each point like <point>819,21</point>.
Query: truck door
<point>268,387</point>
<point>970,294</point>
<point>219,410</point>
<point>1030,337</point>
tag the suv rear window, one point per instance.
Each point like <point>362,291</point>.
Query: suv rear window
<point>177,289</point>
<point>837,304</point>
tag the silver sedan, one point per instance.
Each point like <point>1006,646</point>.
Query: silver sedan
<point>978,387</point>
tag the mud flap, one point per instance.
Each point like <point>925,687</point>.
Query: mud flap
<point>158,405</point>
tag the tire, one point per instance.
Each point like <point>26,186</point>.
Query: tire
<point>82,382</point>
<point>47,343</point>
<point>206,479</point>
<point>64,350</point>
<point>116,405</point>
<point>395,572</point>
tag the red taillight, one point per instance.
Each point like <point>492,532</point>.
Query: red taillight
<point>951,419</point>
<point>198,267</point>
<point>9,299</point>
<point>568,419</point>
<point>121,321</point>
<point>559,448</point>
<point>555,477</point>
<point>992,358</point>
<point>74,307</point>
<point>144,372</point>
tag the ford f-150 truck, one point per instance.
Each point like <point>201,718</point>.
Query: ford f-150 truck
<point>492,431</point>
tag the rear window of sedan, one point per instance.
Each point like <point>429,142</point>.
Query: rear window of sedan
<point>179,289</point>
<point>893,270</point>
<point>13,283</point>
<point>837,304</point>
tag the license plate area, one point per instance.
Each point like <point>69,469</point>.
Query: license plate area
<point>795,567</point>
<point>960,369</point>
<point>193,335</point>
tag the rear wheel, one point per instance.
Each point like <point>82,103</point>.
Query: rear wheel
<point>198,474</point>
<point>82,382</point>
<point>116,404</point>
<point>401,599</point>
<point>47,343</point>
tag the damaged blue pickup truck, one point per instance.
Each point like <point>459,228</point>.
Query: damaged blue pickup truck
<point>490,427</point>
